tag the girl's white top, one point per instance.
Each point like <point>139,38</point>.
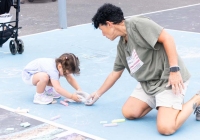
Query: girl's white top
<point>47,65</point>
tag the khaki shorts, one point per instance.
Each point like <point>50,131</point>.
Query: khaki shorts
<point>166,98</point>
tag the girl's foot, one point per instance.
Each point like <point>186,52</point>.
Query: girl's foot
<point>52,93</point>
<point>42,99</point>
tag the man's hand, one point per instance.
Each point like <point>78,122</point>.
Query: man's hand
<point>92,99</point>
<point>175,80</point>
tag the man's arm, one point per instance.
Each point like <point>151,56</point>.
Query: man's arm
<point>108,83</point>
<point>175,79</point>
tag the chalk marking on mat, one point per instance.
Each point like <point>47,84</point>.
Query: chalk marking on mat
<point>55,118</point>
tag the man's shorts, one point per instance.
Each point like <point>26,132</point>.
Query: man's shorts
<point>166,98</point>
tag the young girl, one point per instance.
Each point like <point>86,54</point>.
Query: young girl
<point>45,72</point>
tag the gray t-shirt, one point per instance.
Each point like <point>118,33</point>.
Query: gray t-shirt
<point>144,57</point>
<point>47,65</point>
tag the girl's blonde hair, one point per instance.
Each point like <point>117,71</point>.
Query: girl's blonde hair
<point>69,62</point>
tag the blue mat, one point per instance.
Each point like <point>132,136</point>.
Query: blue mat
<point>96,54</point>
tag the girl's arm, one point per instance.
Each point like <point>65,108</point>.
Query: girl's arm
<point>63,92</point>
<point>72,82</point>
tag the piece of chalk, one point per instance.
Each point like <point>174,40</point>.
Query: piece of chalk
<point>103,122</point>
<point>25,124</point>
<point>118,120</point>
<point>54,102</point>
<point>69,100</point>
<point>54,118</point>
<point>64,103</point>
<point>9,129</point>
<point>110,124</point>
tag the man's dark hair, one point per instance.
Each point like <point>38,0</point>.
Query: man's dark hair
<point>108,12</point>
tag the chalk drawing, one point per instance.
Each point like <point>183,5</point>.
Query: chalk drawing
<point>4,52</point>
<point>73,136</point>
<point>189,52</point>
<point>95,57</point>
<point>6,91</point>
<point>40,129</point>
<point>79,117</point>
<point>2,117</point>
<point>10,72</point>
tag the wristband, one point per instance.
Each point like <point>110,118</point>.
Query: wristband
<point>97,95</point>
<point>174,69</point>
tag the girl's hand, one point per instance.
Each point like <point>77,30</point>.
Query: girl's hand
<point>75,97</point>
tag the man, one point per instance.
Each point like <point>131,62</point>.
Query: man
<point>149,54</point>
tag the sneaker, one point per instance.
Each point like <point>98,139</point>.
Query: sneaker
<point>197,111</point>
<point>52,93</point>
<point>42,99</point>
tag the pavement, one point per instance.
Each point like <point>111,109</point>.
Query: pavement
<point>42,15</point>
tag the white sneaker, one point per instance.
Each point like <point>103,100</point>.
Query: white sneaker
<point>42,99</point>
<point>52,93</point>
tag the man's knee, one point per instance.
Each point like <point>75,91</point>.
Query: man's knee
<point>167,129</point>
<point>130,114</point>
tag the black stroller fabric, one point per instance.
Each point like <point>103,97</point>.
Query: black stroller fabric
<point>5,6</point>
<point>5,34</point>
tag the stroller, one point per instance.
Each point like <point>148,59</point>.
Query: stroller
<point>9,31</point>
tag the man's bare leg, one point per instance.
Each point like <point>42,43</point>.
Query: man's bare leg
<point>135,108</point>
<point>169,119</point>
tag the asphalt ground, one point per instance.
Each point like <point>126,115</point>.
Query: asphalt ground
<point>42,15</point>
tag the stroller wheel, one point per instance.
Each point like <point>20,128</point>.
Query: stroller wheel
<point>13,47</point>
<point>20,44</point>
